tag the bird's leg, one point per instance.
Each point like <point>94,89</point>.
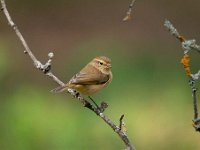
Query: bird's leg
<point>94,102</point>
<point>100,108</point>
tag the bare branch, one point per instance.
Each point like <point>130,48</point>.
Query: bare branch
<point>171,29</point>
<point>188,45</point>
<point>192,84</point>
<point>128,13</point>
<point>46,69</point>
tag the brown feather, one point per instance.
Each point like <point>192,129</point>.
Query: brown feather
<point>89,77</point>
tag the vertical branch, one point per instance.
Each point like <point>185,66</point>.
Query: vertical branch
<point>188,45</point>
<point>195,103</point>
<point>196,120</point>
<point>194,90</point>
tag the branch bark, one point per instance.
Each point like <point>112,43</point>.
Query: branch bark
<point>188,45</point>
<point>46,69</point>
<point>128,13</point>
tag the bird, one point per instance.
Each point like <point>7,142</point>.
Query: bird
<point>95,76</point>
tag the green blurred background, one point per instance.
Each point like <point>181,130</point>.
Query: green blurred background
<point>149,86</point>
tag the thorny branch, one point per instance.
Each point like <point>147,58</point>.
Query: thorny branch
<point>188,45</point>
<point>46,69</point>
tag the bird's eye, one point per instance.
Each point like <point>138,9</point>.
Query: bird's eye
<point>100,63</point>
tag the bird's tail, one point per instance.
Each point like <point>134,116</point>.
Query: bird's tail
<point>60,89</point>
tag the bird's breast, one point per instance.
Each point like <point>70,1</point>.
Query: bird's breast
<point>88,89</point>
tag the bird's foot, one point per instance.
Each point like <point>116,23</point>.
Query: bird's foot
<point>103,106</point>
<point>100,108</point>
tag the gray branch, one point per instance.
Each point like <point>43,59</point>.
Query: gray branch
<point>188,45</point>
<point>128,13</point>
<point>46,69</point>
<point>171,28</point>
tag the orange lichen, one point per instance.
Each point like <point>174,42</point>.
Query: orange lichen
<point>185,62</point>
<point>181,38</point>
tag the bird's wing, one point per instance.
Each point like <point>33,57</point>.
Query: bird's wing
<point>89,78</point>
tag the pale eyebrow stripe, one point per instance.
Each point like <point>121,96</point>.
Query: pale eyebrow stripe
<point>99,60</point>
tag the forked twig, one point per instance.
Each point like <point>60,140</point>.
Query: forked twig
<point>188,45</point>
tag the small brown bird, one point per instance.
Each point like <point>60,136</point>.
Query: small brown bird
<point>91,79</point>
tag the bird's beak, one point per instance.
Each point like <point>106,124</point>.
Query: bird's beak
<point>109,65</point>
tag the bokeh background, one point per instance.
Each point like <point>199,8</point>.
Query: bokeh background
<point>149,86</point>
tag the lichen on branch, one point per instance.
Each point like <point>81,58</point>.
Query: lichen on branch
<point>187,46</point>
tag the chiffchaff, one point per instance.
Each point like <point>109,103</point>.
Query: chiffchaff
<point>91,79</point>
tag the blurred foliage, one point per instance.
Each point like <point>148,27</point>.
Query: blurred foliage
<point>149,86</point>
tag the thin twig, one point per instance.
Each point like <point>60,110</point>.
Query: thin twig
<point>192,84</point>
<point>128,13</point>
<point>188,45</point>
<point>196,120</point>
<point>46,69</point>
<point>121,121</point>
